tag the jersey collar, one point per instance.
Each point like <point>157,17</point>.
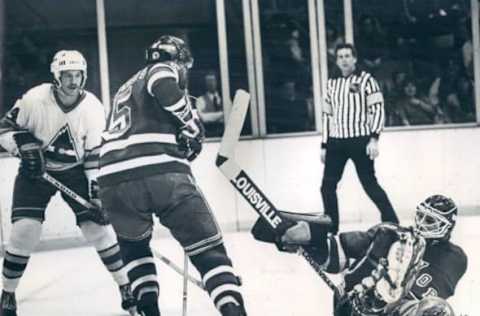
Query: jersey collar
<point>69,108</point>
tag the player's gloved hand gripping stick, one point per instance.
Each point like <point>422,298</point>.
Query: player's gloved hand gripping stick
<point>246,186</point>
<point>94,213</point>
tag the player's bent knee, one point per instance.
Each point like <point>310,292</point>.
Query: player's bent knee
<point>211,258</point>
<point>135,249</point>
<point>101,237</point>
<point>24,236</point>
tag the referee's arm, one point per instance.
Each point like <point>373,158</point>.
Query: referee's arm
<point>376,107</point>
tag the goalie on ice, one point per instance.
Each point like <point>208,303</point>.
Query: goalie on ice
<point>388,269</point>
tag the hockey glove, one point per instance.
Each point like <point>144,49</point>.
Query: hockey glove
<point>97,213</point>
<point>190,139</point>
<point>29,147</point>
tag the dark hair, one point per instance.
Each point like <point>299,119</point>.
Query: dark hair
<point>346,46</point>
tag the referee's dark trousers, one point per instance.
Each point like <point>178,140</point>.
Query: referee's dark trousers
<point>338,152</point>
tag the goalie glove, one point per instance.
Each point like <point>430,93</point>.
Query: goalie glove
<point>30,151</point>
<point>190,138</point>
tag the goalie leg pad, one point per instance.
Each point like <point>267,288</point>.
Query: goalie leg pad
<point>218,277</point>
<point>24,237</point>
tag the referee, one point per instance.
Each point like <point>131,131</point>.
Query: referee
<point>353,118</point>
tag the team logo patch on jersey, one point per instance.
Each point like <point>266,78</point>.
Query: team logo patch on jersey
<point>354,87</point>
<point>62,147</point>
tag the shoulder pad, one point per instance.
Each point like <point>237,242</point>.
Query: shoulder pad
<point>38,92</point>
<point>158,72</point>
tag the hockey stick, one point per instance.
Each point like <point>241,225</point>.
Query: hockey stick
<point>177,269</point>
<point>185,285</point>
<point>245,185</point>
<point>72,194</point>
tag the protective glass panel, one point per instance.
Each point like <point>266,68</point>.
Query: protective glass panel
<point>35,31</point>
<point>334,30</point>
<point>134,25</point>
<point>421,52</point>
<point>287,67</point>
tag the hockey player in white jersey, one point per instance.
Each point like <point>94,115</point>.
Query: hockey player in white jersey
<point>56,127</point>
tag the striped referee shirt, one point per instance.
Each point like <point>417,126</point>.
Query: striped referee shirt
<point>354,107</point>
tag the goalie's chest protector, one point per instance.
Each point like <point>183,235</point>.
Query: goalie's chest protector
<point>383,238</point>
<point>140,139</point>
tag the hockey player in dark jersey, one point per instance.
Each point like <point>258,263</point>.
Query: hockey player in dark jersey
<point>388,269</point>
<point>152,135</point>
<point>56,127</point>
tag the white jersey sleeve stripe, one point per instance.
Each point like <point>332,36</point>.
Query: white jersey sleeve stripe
<point>177,106</point>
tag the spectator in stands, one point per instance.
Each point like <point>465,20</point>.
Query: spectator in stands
<point>461,102</point>
<point>414,109</point>
<point>371,44</point>
<point>289,111</point>
<point>333,39</point>
<point>464,45</point>
<point>445,85</point>
<point>209,106</point>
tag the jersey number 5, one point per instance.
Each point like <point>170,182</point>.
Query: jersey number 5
<point>119,120</point>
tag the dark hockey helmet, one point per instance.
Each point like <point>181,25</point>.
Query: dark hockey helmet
<point>436,217</point>
<point>169,48</point>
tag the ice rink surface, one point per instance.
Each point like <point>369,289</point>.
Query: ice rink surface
<point>73,282</point>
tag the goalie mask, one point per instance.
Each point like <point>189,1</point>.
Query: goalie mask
<point>68,60</point>
<point>436,217</point>
<point>169,48</point>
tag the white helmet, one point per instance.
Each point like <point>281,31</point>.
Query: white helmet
<point>68,60</point>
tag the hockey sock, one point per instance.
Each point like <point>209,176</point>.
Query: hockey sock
<point>104,240</point>
<point>218,276</point>
<point>140,266</point>
<point>24,237</point>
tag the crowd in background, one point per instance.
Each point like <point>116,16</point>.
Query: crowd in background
<point>423,61</point>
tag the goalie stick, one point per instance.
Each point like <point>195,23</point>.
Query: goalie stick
<point>246,186</point>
